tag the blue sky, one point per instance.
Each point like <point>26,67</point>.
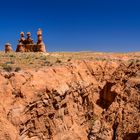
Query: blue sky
<point>73,25</point>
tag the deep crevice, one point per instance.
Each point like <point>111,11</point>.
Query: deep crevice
<point>106,96</point>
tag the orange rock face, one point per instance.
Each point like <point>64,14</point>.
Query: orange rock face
<point>83,100</point>
<point>40,47</point>
<point>20,48</point>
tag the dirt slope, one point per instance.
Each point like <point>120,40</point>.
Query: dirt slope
<point>78,100</point>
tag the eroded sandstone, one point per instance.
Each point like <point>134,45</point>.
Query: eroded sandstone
<point>84,100</point>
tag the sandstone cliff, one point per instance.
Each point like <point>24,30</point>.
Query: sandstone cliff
<point>78,100</point>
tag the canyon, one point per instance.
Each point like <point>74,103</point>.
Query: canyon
<point>78,100</point>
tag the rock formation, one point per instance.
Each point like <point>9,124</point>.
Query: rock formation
<point>20,47</point>
<point>22,38</point>
<point>40,46</point>
<point>81,100</point>
<point>22,43</point>
<point>8,48</point>
<point>27,45</point>
<point>29,40</point>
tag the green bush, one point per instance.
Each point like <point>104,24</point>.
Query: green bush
<point>7,68</point>
<point>17,69</point>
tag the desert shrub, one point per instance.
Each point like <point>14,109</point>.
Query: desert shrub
<point>69,59</point>
<point>47,62</point>
<point>12,55</point>
<point>58,61</point>
<point>10,62</point>
<point>42,57</point>
<point>7,68</point>
<point>100,59</point>
<point>17,69</point>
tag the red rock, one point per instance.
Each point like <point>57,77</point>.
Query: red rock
<point>73,102</point>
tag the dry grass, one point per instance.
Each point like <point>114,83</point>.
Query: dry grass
<point>18,61</point>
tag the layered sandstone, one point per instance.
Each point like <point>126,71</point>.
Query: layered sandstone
<point>81,100</point>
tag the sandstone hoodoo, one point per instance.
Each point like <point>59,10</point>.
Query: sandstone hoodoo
<point>40,47</point>
<point>77,100</point>
<point>20,47</point>
<point>27,44</point>
<point>8,48</point>
<point>22,38</point>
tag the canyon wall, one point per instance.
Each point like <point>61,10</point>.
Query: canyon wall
<point>81,100</point>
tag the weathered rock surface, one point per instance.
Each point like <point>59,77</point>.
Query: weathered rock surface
<point>8,48</point>
<point>82,100</point>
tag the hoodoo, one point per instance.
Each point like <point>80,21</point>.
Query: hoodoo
<point>27,44</point>
<point>8,48</point>
<point>40,44</point>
